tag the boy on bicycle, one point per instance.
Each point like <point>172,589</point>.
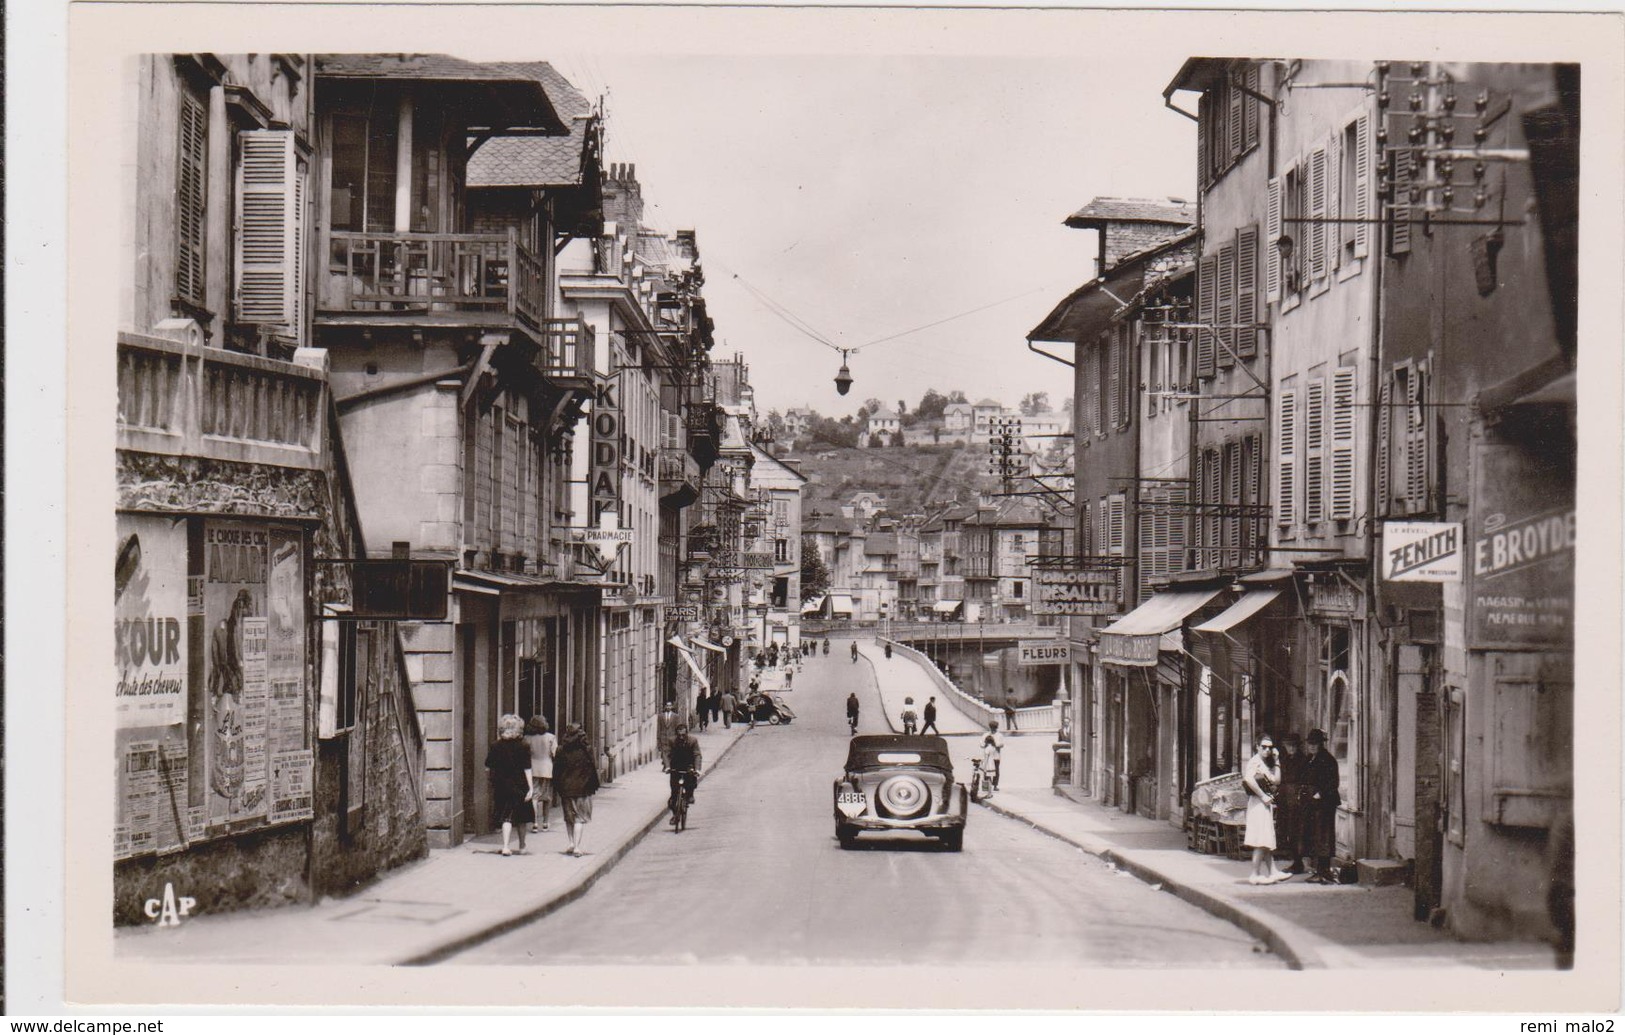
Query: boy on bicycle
<point>685,766</point>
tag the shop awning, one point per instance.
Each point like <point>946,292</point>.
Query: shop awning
<point>1251,602</point>
<point>694,667</point>
<point>813,606</point>
<point>840,603</point>
<point>944,607</point>
<point>1137,637</point>
<point>700,641</point>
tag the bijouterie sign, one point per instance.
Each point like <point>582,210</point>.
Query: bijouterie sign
<point>1075,593</point>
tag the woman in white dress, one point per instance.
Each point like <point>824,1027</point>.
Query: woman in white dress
<point>1261,776</point>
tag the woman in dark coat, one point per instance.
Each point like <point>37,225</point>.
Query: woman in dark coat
<point>575,781</point>
<point>511,778</point>
<point>1320,811</point>
<point>1290,802</point>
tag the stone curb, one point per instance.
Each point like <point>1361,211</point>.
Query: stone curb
<point>570,893</point>
<point>1298,947</point>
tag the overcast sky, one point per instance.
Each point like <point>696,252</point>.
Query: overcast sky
<point>874,195</point>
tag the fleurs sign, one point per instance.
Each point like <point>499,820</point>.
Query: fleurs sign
<point>1054,653</point>
<point>1421,551</point>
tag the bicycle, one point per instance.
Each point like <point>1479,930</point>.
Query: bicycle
<point>678,803</point>
<point>981,787</point>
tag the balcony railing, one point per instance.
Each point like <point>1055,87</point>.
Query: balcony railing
<point>420,273</point>
<point>568,352</point>
<point>223,405</point>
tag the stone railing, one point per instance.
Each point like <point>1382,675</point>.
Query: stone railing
<point>1043,718</point>
<point>189,400</point>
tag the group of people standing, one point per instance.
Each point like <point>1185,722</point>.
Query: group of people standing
<point>712,705</point>
<point>531,769</point>
<point>1292,801</point>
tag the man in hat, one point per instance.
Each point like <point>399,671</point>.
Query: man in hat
<point>1320,808</point>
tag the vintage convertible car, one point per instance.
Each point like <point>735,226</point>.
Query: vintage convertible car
<point>900,782</point>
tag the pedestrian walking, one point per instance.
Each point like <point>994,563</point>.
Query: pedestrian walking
<point>789,678</point>
<point>508,762</point>
<point>714,703</point>
<point>930,711</point>
<point>1291,801</point>
<point>993,760</point>
<point>729,704</point>
<point>575,780</point>
<point>701,707</point>
<point>911,719</point>
<point>1262,777</point>
<point>1320,812</point>
<point>888,650</point>
<point>1009,712</point>
<point>665,730</point>
<point>543,745</point>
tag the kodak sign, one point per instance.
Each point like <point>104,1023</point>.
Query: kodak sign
<point>604,468</point>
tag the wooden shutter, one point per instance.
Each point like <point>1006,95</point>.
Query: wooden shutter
<point>1232,495</point>
<point>1385,447</point>
<point>1114,387</point>
<point>1178,529</point>
<point>1204,126</point>
<point>1151,365</point>
<point>269,193</point>
<point>1286,466</point>
<point>1252,491</point>
<point>1247,291</point>
<point>1314,435</point>
<point>1233,127</point>
<point>1361,209</point>
<point>1116,508</point>
<point>1416,444</point>
<point>1213,495</point>
<point>1250,109</point>
<point>1272,234</point>
<point>1344,420</point>
<point>1207,287</point>
<point>191,199</point>
<point>1125,381</point>
<point>1334,200</point>
<point>1399,223</point>
<point>1225,352</point>
<point>1317,213</point>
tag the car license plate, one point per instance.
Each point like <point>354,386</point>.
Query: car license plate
<point>851,803</point>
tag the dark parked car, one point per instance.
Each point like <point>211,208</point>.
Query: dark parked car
<point>900,782</point>
<point>770,709</point>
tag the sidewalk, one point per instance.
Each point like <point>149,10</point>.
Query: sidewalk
<point>900,677</point>
<point>1310,926</point>
<point>427,910</point>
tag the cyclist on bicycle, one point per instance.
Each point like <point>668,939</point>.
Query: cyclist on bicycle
<point>826,648</point>
<point>684,766</point>
<point>852,711</point>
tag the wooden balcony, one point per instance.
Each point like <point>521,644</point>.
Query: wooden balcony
<point>567,352</point>
<point>184,400</point>
<point>451,279</point>
<point>679,477</point>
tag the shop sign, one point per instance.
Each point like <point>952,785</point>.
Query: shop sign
<point>149,622</point>
<point>1074,593</point>
<point>395,590</point>
<point>1028,654</point>
<point>682,612</point>
<point>727,574</point>
<point>1334,595</point>
<point>607,539</point>
<point>1130,649</point>
<point>756,559</point>
<point>604,467</point>
<point>1520,548</point>
<point>1421,551</point>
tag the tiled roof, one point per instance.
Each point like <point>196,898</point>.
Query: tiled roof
<point>536,161</point>
<point>884,414</point>
<point>522,100</point>
<point>1132,210</point>
<point>985,403</point>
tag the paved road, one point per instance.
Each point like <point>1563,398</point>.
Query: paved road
<point>758,878</point>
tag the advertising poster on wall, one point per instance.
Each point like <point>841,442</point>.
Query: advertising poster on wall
<point>1520,552</point>
<point>235,562</point>
<point>149,621</point>
<point>291,790</point>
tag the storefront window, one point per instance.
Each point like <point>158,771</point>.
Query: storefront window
<point>1339,707</point>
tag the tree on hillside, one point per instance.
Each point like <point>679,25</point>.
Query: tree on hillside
<point>956,396</point>
<point>931,404</point>
<point>775,425</point>
<point>897,437</point>
<point>1034,403</point>
<point>874,441</point>
<point>814,572</point>
<point>902,407</point>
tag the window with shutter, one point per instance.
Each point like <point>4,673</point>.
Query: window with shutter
<point>1212,497</point>
<point>1151,362</point>
<point>1399,218</point>
<point>1204,127</point>
<point>1362,185</point>
<point>1314,480</point>
<point>270,197</point>
<point>1114,393</point>
<point>1272,234</point>
<point>1247,291</point>
<point>191,199</point>
<point>1251,110</point>
<point>1234,126</point>
<point>1125,379</point>
<point>1207,287</point>
<point>1116,532</point>
<point>1418,444</point>
<point>1232,496</point>
<point>1252,492</point>
<point>1334,201</point>
<point>1344,386</point>
<point>1385,446</point>
<point>1317,213</point>
<point>1226,315</point>
<point>1286,466</point>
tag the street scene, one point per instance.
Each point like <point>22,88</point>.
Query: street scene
<point>514,565</point>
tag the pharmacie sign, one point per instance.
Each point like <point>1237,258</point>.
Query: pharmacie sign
<point>1043,654</point>
<point>1422,551</point>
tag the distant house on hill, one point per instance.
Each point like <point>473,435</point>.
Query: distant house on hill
<point>958,418</point>
<point>797,420</point>
<point>982,414</point>
<point>885,423</point>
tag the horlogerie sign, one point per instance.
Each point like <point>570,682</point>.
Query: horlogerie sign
<point>1075,593</point>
